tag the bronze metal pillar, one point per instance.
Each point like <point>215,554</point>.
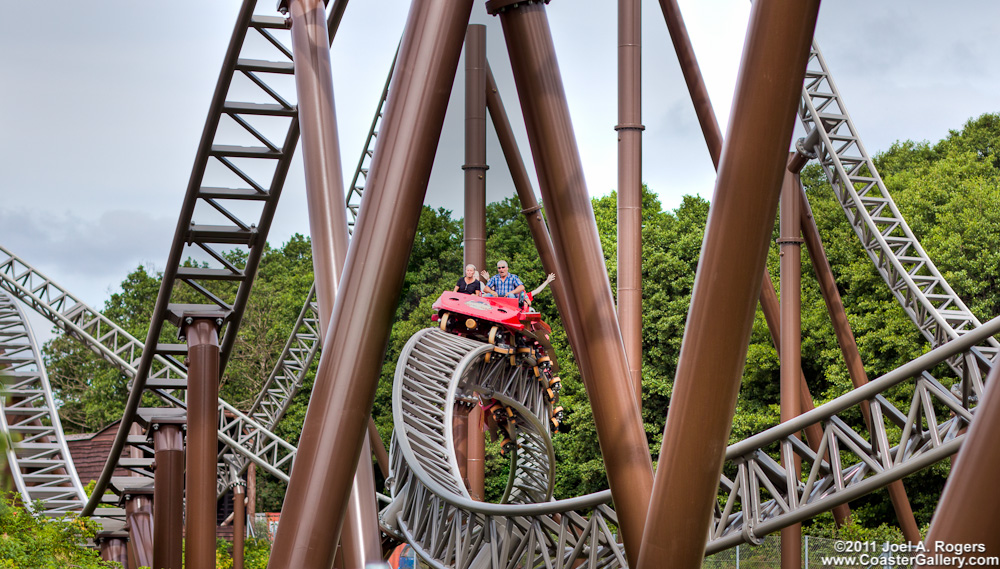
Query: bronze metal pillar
<point>966,514</point>
<point>168,497</point>
<point>328,229</point>
<point>475,146</point>
<point>848,346</point>
<point>727,284</point>
<point>475,220</point>
<point>630,187</point>
<point>139,521</point>
<point>790,251</point>
<point>460,439</point>
<point>239,523</point>
<point>477,452</point>
<point>340,405</point>
<point>692,76</point>
<point>113,546</point>
<point>202,441</point>
<point>602,360</point>
<point>713,138</point>
<point>529,205</point>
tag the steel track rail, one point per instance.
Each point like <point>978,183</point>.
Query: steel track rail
<point>914,280</point>
<point>37,454</point>
<point>241,210</point>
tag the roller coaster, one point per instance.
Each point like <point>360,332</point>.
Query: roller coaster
<point>489,353</point>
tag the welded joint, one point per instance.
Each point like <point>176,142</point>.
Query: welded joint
<point>494,7</point>
<point>532,209</point>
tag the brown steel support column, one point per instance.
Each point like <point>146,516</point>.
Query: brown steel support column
<point>477,452</point>
<point>692,76</point>
<point>475,146</point>
<point>475,219</point>
<point>630,187</point>
<point>727,284</point>
<point>713,138</point>
<point>113,547</point>
<point>529,205</point>
<point>966,514</point>
<point>328,229</point>
<point>355,342</point>
<point>577,245</point>
<point>139,521</point>
<point>460,439</point>
<point>378,449</point>
<point>239,523</point>
<point>848,346</point>
<point>168,497</point>
<point>202,442</point>
<point>790,251</point>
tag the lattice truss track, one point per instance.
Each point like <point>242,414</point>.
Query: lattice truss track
<point>914,280</point>
<point>35,446</point>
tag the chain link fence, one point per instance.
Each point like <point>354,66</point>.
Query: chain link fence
<point>817,553</point>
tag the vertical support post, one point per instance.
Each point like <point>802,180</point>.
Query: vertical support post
<point>966,513</point>
<point>139,521</point>
<point>168,488</point>
<point>355,341</point>
<point>476,460</point>
<point>727,284</point>
<point>203,442</point>
<point>630,187</point>
<point>239,523</point>
<point>849,348</point>
<point>328,229</point>
<point>790,251</point>
<point>475,146</point>
<point>475,218</point>
<point>577,245</point>
<point>113,546</point>
<point>460,433</point>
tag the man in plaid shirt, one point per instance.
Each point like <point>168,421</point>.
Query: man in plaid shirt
<point>503,283</point>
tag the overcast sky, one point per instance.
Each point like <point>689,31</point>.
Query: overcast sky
<point>102,106</point>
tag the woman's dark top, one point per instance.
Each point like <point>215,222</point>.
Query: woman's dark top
<point>469,288</point>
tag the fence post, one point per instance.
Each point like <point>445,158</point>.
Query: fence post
<point>806,554</point>
<point>737,556</point>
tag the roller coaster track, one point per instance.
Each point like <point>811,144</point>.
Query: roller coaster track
<point>36,450</point>
<point>914,280</point>
<point>243,157</point>
<point>431,508</point>
<point>119,348</point>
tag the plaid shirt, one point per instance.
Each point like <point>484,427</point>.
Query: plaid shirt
<point>503,288</point>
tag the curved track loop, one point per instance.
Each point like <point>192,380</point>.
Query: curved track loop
<point>38,457</point>
<point>431,508</point>
<point>918,286</point>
